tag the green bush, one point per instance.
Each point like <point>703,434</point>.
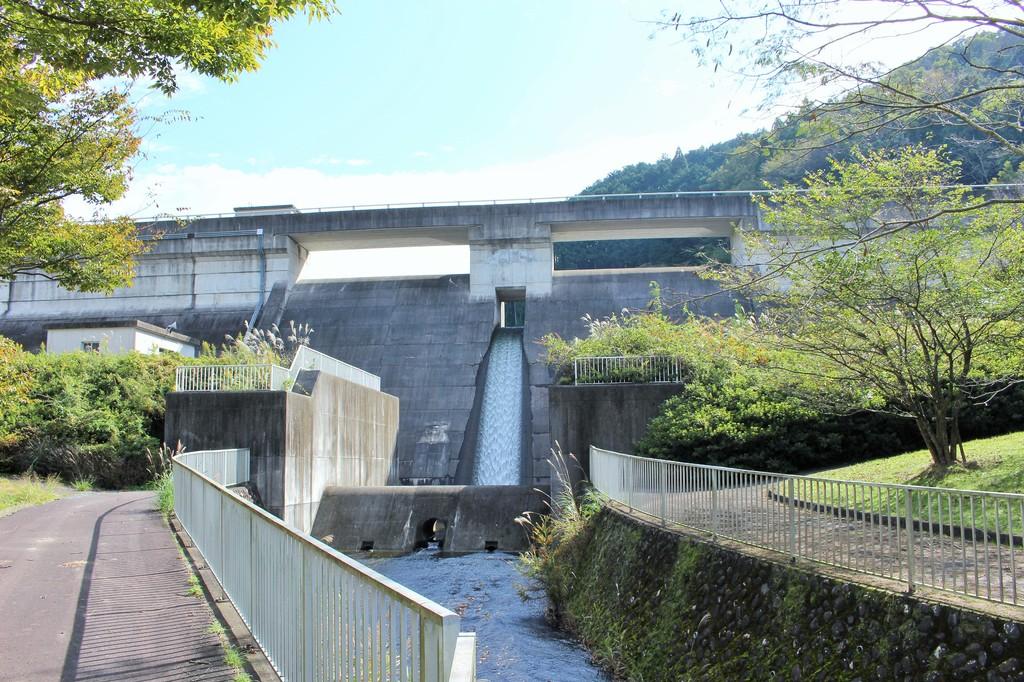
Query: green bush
<point>741,423</point>
<point>88,416</point>
<point>740,407</point>
<point>85,416</point>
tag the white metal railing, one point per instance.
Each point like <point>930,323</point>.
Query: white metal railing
<point>628,369</point>
<point>963,541</point>
<point>307,358</point>
<point>316,613</point>
<point>267,377</point>
<point>229,377</point>
<point>225,467</point>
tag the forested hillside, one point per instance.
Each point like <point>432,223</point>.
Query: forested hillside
<point>796,144</point>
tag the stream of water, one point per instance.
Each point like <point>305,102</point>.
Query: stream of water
<point>514,642</point>
<point>500,436</point>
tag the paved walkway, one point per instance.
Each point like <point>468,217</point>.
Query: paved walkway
<point>92,587</point>
<point>862,542</point>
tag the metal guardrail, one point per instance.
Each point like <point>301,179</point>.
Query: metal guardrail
<point>316,613</point>
<point>306,358</point>
<point>267,377</point>
<point>963,541</point>
<point>263,377</point>
<point>636,369</point>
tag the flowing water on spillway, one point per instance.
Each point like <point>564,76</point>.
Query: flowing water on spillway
<point>500,435</point>
<point>514,642</point>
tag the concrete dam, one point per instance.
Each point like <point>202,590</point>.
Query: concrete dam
<point>457,355</point>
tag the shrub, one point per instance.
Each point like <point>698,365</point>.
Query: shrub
<point>741,407</point>
<point>85,416</point>
<point>741,422</point>
<point>89,416</point>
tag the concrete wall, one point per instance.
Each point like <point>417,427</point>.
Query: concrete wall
<point>575,294</point>
<point>340,434</point>
<point>613,416</point>
<point>207,284</point>
<point>399,518</point>
<point>426,338</point>
<point>680,607</point>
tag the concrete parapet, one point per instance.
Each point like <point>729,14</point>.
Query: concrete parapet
<point>340,434</point>
<point>404,518</point>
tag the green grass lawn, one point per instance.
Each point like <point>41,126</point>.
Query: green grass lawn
<point>28,490</point>
<point>994,464</point>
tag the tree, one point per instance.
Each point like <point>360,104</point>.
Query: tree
<point>806,54</point>
<point>920,322</point>
<point>64,133</point>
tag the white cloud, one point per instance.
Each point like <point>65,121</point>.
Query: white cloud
<point>421,154</point>
<point>215,187</point>
<point>447,148</point>
<point>358,162</point>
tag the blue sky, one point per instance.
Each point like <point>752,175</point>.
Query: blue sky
<point>404,100</point>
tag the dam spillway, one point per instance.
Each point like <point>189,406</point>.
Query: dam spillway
<point>500,441</point>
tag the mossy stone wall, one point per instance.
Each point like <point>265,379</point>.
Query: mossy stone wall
<point>655,605</point>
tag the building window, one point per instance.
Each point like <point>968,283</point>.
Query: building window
<point>91,346</point>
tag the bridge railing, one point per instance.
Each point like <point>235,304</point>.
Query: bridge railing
<point>316,613</point>
<point>623,369</point>
<point>268,377</point>
<point>962,541</point>
<point>1014,189</point>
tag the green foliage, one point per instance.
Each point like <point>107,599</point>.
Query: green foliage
<point>67,133</point>
<point>88,416</point>
<point>641,253</point>
<point>83,485</point>
<point>13,388</point>
<point>632,334</point>
<point>906,288</point>
<point>61,139</point>
<point>148,38</point>
<point>741,405</point>
<point>164,487</point>
<point>568,516</point>
<point>806,140</point>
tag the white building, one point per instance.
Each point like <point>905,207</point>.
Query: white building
<point>115,337</point>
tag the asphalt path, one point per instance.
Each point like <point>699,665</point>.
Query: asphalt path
<point>92,587</point>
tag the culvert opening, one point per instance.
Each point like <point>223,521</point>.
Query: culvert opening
<point>433,532</point>
<point>490,545</point>
<point>366,545</point>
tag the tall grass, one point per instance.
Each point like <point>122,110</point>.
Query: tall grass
<point>567,516</point>
<point>28,489</point>
<point>164,487</point>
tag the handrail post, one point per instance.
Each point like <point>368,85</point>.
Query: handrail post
<point>663,485</point>
<point>792,516</point>
<point>714,501</point>
<point>909,518</point>
<point>629,484</point>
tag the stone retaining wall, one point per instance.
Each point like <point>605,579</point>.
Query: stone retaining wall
<point>655,605</point>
